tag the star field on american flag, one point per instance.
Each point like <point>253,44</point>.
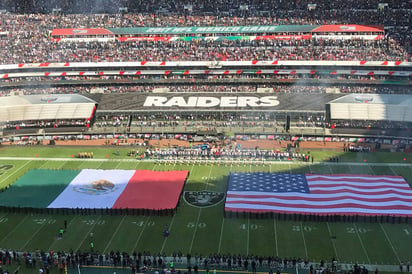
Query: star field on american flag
<point>268,182</point>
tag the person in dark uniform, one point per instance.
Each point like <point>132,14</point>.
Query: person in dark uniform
<point>166,232</point>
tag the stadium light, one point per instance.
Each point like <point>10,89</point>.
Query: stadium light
<point>188,8</point>
<point>244,7</point>
<point>56,11</point>
<point>382,6</point>
<point>311,6</point>
<point>123,10</point>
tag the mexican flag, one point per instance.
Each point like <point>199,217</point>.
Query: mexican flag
<point>96,188</point>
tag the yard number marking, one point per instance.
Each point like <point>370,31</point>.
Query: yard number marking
<point>305,228</point>
<point>142,223</point>
<point>3,220</point>
<point>353,230</point>
<point>208,178</point>
<point>193,224</point>
<point>94,222</point>
<point>252,226</point>
<point>4,168</point>
<point>44,221</point>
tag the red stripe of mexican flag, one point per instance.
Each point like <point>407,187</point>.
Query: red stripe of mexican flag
<point>152,190</point>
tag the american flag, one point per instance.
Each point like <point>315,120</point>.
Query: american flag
<point>320,194</point>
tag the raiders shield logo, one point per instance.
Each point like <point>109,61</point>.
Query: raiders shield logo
<point>203,198</point>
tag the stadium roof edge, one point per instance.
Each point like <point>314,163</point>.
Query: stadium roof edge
<point>386,99</point>
<point>44,99</point>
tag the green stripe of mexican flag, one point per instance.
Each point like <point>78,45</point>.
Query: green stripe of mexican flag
<point>37,188</point>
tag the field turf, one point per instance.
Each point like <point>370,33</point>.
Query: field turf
<point>204,230</point>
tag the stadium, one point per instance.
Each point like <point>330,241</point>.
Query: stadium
<point>205,136</point>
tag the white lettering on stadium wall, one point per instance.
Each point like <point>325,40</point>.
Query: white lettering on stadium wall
<point>207,102</point>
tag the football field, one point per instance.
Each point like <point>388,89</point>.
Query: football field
<point>202,229</point>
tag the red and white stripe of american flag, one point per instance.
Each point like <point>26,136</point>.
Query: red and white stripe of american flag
<point>337,194</point>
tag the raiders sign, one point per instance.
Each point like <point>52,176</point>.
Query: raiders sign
<point>203,198</point>
<point>207,102</point>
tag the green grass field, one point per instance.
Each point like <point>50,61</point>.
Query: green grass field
<point>204,230</point>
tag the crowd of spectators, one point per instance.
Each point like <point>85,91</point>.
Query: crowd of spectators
<point>210,120</point>
<point>140,262</point>
<point>31,50</point>
<point>370,124</point>
<point>204,89</point>
<point>144,261</point>
<point>28,40</point>
<point>44,124</point>
<point>200,79</point>
<point>210,12</point>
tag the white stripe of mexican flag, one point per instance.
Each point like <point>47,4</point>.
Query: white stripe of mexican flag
<point>93,188</point>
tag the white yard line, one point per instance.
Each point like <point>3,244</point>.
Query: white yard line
<point>200,212</point>
<point>310,169</point>
<point>114,234</point>
<point>383,229</point>
<point>68,225</point>
<point>390,243</point>
<point>360,240</point>
<point>33,236</point>
<point>194,233</point>
<point>248,235</point>
<point>304,240</point>
<point>221,234</point>
<point>138,164</point>
<point>88,233</point>
<point>276,236</point>
<point>118,164</point>
<point>101,165</point>
<point>370,168</point>
<point>45,162</point>
<point>11,231</point>
<point>393,171</point>
<point>141,233</point>
<point>170,228</point>
<point>62,165</point>
<point>333,242</point>
<point>80,166</point>
<point>331,170</point>
<point>208,178</point>
<point>15,171</point>
<point>349,167</point>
